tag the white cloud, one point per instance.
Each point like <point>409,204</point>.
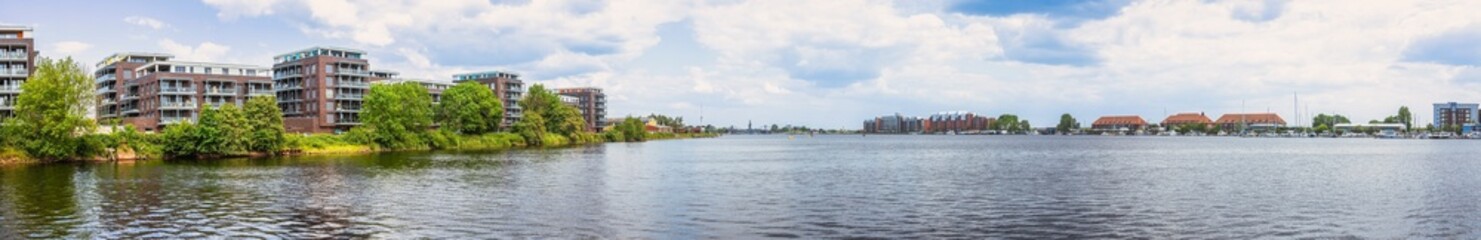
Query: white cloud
<point>783,61</point>
<point>70,47</point>
<point>232,9</point>
<point>205,51</point>
<point>156,24</point>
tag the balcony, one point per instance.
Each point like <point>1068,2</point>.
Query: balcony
<point>173,120</point>
<point>10,88</point>
<point>277,76</point>
<point>353,72</point>
<point>127,97</point>
<point>177,90</point>
<point>106,78</point>
<point>14,56</point>
<point>130,111</point>
<point>349,96</point>
<point>218,104</point>
<point>353,85</point>
<point>221,91</point>
<point>176,105</point>
<point>106,90</point>
<point>16,72</point>
<point>347,109</point>
<point>107,101</point>
<point>261,92</point>
<point>286,87</point>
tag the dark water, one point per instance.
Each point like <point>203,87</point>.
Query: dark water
<point>769,186</point>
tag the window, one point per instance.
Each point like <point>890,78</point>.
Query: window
<point>252,72</point>
<point>208,70</point>
<point>180,69</point>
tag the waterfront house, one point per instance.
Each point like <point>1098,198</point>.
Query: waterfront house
<point>1255,121</point>
<point>1119,123</point>
<point>1186,118</point>
<point>1463,115</point>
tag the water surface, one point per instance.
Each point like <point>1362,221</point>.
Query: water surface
<point>770,186</point>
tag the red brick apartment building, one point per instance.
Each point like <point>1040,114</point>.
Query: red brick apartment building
<point>592,103</point>
<point>506,85</point>
<point>321,89</point>
<point>150,91</point>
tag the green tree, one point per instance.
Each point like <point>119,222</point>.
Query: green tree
<point>180,139</point>
<point>235,128</point>
<point>51,111</point>
<point>1066,123</point>
<point>1329,120</point>
<point>211,133</point>
<point>532,128</point>
<point>559,118</point>
<point>634,129</point>
<point>265,122</point>
<point>571,121</point>
<point>1007,122</point>
<point>398,115</point>
<point>470,108</point>
<point>1405,117</point>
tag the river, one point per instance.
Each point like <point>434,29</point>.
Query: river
<point>776,187</point>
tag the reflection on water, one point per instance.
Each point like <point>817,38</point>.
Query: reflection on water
<point>767,186</point>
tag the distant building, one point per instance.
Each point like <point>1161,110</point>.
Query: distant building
<point>507,86</point>
<point>1186,118</point>
<point>956,122</point>
<point>163,92</point>
<point>1119,123</point>
<point>1456,114</point>
<point>893,124</point>
<point>592,103</point>
<point>1258,121</point>
<point>17,61</point>
<point>321,89</point>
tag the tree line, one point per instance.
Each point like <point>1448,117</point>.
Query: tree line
<point>50,122</point>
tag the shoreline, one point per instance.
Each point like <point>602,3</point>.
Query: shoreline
<point>13,157</point>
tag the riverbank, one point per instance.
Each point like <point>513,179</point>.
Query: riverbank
<point>326,144</point>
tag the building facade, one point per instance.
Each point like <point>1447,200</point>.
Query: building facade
<point>113,86</point>
<point>1186,118</point>
<point>894,124</point>
<point>434,88</point>
<point>1119,123</point>
<point>322,89</point>
<point>161,93</point>
<point>956,122</point>
<point>507,86</point>
<point>1463,115</point>
<point>592,103</point>
<point>1258,121</point>
<point>17,61</point>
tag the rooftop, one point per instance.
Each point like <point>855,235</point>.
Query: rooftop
<point>1230,118</point>
<point>1182,118</point>
<point>1120,120</point>
<point>11,28</point>
<point>125,55</point>
<point>485,74</point>
<point>319,50</point>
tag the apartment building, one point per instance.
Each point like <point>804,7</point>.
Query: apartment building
<point>17,61</point>
<point>112,86</point>
<point>161,93</point>
<point>1131,123</point>
<point>321,89</point>
<point>894,124</point>
<point>506,85</point>
<point>1463,115</point>
<point>592,103</point>
<point>956,122</point>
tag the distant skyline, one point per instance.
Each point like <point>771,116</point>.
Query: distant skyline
<point>832,64</point>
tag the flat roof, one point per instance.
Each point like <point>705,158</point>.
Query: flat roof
<point>206,64</point>
<point>122,55</point>
<point>14,28</point>
<point>485,73</point>
<point>361,52</point>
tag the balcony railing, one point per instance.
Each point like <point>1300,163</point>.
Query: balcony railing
<point>221,91</point>
<point>10,89</point>
<point>287,75</point>
<point>255,92</point>
<point>176,90</point>
<point>105,90</point>
<point>355,72</point>
<point>14,72</point>
<point>353,84</point>
<point>349,109</point>
<point>173,120</point>
<point>106,78</point>
<point>167,104</point>
<point>349,96</point>
<point>283,87</point>
<point>14,55</point>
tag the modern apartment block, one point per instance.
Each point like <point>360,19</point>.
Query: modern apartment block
<point>160,91</point>
<point>17,60</point>
<point>507,86</point>
<point>112,83</point>
<point>956,122</point>
<point>894,124</point>
<point>592,103</point>
<point>321,89</point>
<point>1463,115</point>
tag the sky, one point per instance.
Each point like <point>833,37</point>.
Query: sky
<point>834,63</point>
